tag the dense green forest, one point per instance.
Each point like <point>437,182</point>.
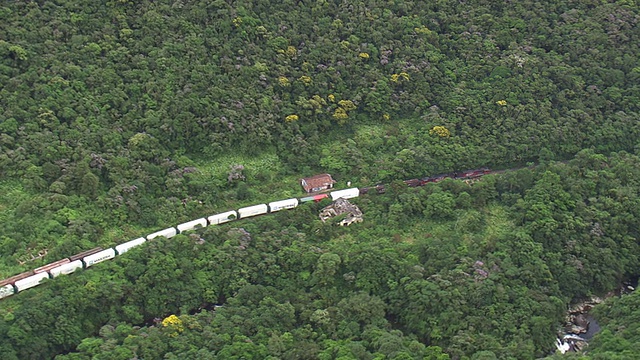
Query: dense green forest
<point>120,117</point>
<point>441,272</point>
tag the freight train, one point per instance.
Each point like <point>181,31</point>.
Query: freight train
<point>91,257</point>
<point>456,175</point>
<point>97,255</point>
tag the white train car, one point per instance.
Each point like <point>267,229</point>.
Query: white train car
<point>168,233</point>
<point>282,204</point>
<point>123,248</point>
<point>6,291</point>
<point>253,211</point>
<point>345,194</point>
<point>222,218</point>
<point>50,266</point>
<point>99,257</point>
<point>31,281</point>
<point>202,222</point>
<point>66,269</point>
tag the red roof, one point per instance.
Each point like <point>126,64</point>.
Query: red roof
<point>321,182</point>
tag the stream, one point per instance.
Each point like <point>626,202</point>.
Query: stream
<point>580,326</point>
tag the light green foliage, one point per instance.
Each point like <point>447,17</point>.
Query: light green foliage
<point>18,52</point>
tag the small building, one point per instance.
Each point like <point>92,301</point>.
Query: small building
<point>339,207</point>
<point>317,183</point>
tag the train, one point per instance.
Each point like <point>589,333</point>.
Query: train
<point>86,259</point>
<point>456,175</point>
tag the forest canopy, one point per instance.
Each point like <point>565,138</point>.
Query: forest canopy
<point>121,117</point>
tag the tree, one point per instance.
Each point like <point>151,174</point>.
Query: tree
<point>439,205</point>
<point>326,269</point>
<point>90,185</point>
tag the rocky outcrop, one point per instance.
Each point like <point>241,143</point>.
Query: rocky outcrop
<point>242,236</point>
<point>577,320</point>
<point>579,327</point>
<point>339,207</point>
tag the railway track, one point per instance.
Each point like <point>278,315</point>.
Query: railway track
<point>85,259</point>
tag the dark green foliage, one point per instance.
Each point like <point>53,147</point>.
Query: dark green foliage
<point>121,117</point>
<point>489,280</point>
<point>619,336</point>
<point>103,100</point>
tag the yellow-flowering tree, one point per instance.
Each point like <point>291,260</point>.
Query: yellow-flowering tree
<point>317,103</point>
<point>283,81</point>
<point>341,115</point>
<point>173,324</point>
<point>305,79</point>
<point>319,100</point>
<point>440,131</point>
<point>291,51</point>
<point>501,102</point>
<point>291,118</point>
<point>262,31</point>
<point>422,30</point>
<point>363,55</point>
<point>347,105</point>
<point>403,76</point>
